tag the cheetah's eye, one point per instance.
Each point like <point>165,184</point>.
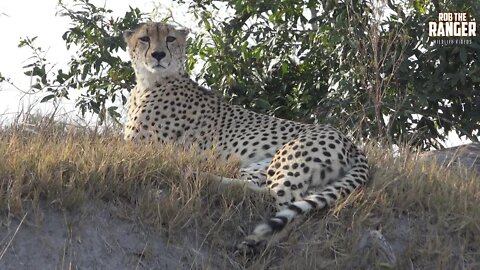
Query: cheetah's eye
<point>145,39</point>
<point>171,39</point>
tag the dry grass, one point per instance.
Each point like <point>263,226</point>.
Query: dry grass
<point>428,215</point>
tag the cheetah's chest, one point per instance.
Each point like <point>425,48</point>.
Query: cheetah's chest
<point>167,114</point>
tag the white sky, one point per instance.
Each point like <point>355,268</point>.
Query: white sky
<point>29,18</point>
<point>22,18</point>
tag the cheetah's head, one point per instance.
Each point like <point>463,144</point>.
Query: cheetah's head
<point>157,50</point>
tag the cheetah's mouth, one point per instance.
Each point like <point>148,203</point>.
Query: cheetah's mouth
<point>158,66</point>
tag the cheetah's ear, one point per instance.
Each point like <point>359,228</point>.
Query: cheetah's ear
<point>183,31</point>
<point>127,34</point>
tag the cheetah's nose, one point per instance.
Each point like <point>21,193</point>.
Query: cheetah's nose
<point>158,55</point>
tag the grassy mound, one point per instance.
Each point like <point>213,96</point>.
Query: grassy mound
<point>411,213</point>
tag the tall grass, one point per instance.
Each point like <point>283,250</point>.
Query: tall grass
<point>428,215</point>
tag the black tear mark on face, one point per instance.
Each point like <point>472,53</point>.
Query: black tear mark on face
<point>168,48</point>
<point>148,48</point>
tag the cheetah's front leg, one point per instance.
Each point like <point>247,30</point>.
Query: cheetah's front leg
<point>253,177</point>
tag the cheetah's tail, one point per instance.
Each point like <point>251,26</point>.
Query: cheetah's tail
<point>354,178</point>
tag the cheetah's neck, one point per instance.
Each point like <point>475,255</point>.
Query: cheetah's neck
<point>146,79</point>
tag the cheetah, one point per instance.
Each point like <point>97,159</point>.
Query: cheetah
<point>302,166</point>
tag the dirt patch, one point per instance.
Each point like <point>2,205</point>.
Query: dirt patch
<point>96,237</point>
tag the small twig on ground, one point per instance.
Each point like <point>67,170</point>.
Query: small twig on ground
<point>13,237</point>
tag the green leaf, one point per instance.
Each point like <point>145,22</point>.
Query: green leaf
<point>113,112</point>
<point>284,68</point>
<point>86,69</point>
<point>262,104</point>
<point>46,98</point>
